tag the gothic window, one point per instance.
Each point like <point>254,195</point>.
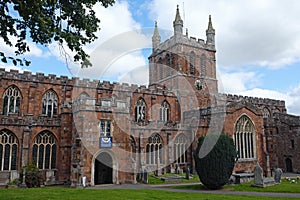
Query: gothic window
<point>133,148</point>
<point>244,138</point>
<point>44,150</point>
<point>192,63</point>
<point>140,111</point>
<point>105,128</point>
<point>180,149</point>
<point>154,153</point>
<point>165,111</point>
<point>11,100</point>
<point>266,113</point>
<point>8,150</point>
<point>203,65</point>
<point>49,103</point>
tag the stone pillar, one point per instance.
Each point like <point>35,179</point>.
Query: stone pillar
<point>25,145</point>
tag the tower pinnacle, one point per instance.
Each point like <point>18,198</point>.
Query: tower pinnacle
<point>210,33</point>
<point>155,38</point>
<point>177,23</point>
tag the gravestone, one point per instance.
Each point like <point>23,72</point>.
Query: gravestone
<point>176,169</point>
<point>145,177</point>
<point>259,180</point>
<point>277,175</point>
<point>187,173</point>
<point>258,175</point>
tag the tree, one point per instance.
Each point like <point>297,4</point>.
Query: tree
<point>72,22</point>
<point>215,168</point>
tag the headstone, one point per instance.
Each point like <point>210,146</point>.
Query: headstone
<point>187,173</point>
<point>84,181</point>
<point>259,180</point>
<point>145,177</point>
<point>172,169</point>
<point>258,175</point>
<point>176,169</point>
<point>277,175</point>
<point>158,169</point>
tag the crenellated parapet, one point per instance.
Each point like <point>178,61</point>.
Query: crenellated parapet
<point>31,77</point>
<point>272,105</point>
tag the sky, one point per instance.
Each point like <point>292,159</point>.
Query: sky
<point>257,42</point>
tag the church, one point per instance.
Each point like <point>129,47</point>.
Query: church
<point>111,132</point>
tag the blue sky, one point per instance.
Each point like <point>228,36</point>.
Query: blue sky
<point>258,44</point>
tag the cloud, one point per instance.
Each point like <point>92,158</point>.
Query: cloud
<point>236,82</point>
<point>118,49</point>
<point>10,51</point>
<point>262,33</point>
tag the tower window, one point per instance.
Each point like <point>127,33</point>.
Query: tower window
<point>105,128</point>
<point>203,65</point>
<point>293,144</point>
<point>192,63</point>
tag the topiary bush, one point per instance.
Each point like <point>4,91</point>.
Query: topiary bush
<point>215,163</point>
<point>32,175</point>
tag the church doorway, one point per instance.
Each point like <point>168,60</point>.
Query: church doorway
<point>288,164</point>
<point>103,169</point>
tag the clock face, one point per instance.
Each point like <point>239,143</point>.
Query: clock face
<point>198,84</point>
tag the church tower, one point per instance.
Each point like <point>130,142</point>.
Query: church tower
<point>183,56</point>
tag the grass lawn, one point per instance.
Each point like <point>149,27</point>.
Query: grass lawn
<point>111,194</point>
<point>285,187</point>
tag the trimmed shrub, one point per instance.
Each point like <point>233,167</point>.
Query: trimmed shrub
<point>215,167</point>
<point>32,175</point>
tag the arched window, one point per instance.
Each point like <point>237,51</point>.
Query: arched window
<point>140,111</point>
<point>266,113</point>
<point>203,65</point>
<point>133,148</point>
<point>154,153</point>
<point>165,111</point>
<point>244,138</point>
<point>192,63</point>
<point>44,150</point>
<point>11,100</point>
<point>105,128</point>
<point>180,149</point>
<point>49,103</point>
<point>8,150</point>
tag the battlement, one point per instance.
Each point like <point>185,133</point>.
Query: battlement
<point>185,40</point>
<point>78,82</point>
<point>29,76</point>
<point>260,102</point>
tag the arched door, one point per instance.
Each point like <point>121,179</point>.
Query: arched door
<point>288,164</point>
<point>103,169</point>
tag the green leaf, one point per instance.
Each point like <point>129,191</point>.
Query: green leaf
<point>4,60</point>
